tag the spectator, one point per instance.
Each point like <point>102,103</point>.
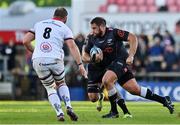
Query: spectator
<point>161,4</point>
<point>141,54</point>
<point>158,34</point>
<point>10,52</point>
<point>155,56</point>
<point>177,36</point>
<point>170,58</point>
<point>80,40</point>
<point>168,38</point>
<point>1,54</point>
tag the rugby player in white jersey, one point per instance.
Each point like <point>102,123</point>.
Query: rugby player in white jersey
<point>48,55</point>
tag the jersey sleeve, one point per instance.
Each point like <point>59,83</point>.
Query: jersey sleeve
<point>88,44</point>
<point>68,34</point>
<point>121,34</point>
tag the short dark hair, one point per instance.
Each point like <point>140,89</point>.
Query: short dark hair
<point>60,12</point>
<point>98,21</point>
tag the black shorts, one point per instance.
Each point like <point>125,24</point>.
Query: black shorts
<point>94,80</point>
<point>123,73</point>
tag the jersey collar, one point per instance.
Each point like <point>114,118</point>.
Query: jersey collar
<point>55,18</point>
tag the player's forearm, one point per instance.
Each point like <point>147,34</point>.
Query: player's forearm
<point>29,47</point>
<point>85,57</point>
<point>76,54</point>
<point>133,44</point>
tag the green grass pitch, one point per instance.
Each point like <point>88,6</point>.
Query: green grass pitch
<point>40,112</point>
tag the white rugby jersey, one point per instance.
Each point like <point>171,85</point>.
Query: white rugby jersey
<point>49,38</point>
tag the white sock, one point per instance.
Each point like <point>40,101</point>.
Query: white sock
<point>54,99</point>
<point>112,92</point>
<point>118,88</point>
<point>65,96</point>
<point>143,91</point>
<point>55,102</point>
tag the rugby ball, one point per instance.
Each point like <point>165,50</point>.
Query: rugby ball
<point>95,50</point>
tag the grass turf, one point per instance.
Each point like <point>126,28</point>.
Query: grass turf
<point>41,112</point>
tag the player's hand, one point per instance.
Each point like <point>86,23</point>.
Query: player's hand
<point>99,57</point>
<point>82,71</point>
<point>129,60</point>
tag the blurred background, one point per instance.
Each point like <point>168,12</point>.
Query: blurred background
<point>155,22</point>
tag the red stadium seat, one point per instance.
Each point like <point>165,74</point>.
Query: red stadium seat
<point>132,8</point>
<point>140,2</point>
<point>150,2</point>
<point>152,9</point>
<point>171,2</point>
<point>178,2</point>
<point>173,8</point>
<point>130,2</point>
<point>103,8</point>
<point>142,8</point>
<point>123,8</point>
<point>120,2</point>
<point>110,1</point>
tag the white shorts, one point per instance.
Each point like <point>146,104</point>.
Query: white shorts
<point>49,70</point>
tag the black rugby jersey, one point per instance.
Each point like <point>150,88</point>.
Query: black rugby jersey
<point>111,44</point>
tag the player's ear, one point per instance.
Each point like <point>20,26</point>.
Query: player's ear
<point>65,19</point>
<point>102,27</point>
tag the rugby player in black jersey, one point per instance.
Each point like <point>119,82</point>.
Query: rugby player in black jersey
<point>112,65</point>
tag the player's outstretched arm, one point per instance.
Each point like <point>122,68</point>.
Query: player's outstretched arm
<point>76,55</point>
<point>28,38</point>
<point>133,42</point>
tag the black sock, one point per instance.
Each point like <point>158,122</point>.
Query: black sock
<point>150,95</point>
<point>112,100</point>
<point>122,104</point>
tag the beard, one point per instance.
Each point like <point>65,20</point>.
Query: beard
<point>99,34</point>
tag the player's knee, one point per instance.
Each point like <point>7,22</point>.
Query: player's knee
<point>93,100</point>
<point>107,83</point>
<point>50,90</point>
<point>93,97</point>
<point>60,83</point>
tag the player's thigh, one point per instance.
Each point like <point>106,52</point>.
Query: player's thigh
<point>43,71</point>
<point>132,86</point>
<point>93,97</point>
<point>119,67</point>
<point>58,71</point>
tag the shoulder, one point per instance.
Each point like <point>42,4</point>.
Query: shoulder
<point>90,35</point>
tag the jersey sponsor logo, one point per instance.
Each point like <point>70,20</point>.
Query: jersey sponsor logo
<point>45,47</point>
<point>120,64</point>
<point>109,40</point>
<point>108,50</point>
<point>101,41</point>
<point>120,33</point>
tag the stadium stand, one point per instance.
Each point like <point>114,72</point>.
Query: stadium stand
<point>143,6</point>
